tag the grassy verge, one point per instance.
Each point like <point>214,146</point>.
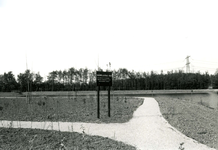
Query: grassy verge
<point>116,92</point>
<point>192,119</point>
<point>11,94</point>
<point>25,139</point>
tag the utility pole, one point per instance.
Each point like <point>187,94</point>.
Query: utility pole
<point>187,64</point>
<point>98,63</point>
<point>27,90</point>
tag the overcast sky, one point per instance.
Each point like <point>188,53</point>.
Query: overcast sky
<point>137,35</point>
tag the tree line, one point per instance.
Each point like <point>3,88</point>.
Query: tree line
<point>123,79</point>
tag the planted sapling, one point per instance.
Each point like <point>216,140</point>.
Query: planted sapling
<point>181,146</point>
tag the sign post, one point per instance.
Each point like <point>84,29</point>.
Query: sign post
<point>103,79</point>
<point>109,103</point>
<point>98,107</point>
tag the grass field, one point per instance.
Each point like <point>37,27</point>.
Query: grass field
<point>187,110</point>
<point>29,139</point>
<point>191,117</point>
<point>116,93</point>
<point>70,108</point>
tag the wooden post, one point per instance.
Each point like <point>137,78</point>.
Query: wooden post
<point>109,102</point>
<point>103,79</point>
<point>98,103</point>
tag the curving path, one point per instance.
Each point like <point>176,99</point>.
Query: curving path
<point>147,130</point>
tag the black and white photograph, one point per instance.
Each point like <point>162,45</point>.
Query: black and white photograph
<point>108,75</point>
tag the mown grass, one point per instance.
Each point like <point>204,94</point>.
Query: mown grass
<point>193,119</point>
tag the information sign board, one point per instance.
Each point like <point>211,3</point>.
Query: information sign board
<point>104,78</point>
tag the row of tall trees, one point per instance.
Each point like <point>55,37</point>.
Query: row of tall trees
<point>123,79</point>
<point>214,80</point>
<point>154,81</point>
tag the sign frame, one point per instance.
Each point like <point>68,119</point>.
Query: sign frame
<point>103,79</point>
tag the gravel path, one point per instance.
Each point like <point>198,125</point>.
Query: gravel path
<point>147,130</point>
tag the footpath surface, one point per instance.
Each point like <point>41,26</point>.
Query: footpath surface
<point>147,130</point>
